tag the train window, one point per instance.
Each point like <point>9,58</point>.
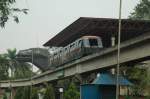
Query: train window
<point>65,49</point>
<point>60,51</point>
<point>93,42</point>
<point>54,54</point>
<point>80,43</point>
<point>72,45</point>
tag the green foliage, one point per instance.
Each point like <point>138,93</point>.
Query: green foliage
<point>34,93</point>
<point>19,93</point>
<point>18,69</point>
<point>3,67</point>
<point>49,94</point>
<point>7,11</point>
<point>5,96</point>
<point>142,10</point>
<point>11,53</point>
<point>23,71</point>
<point>140,77</point>
<point>25,93</point>
<point>72,92</point>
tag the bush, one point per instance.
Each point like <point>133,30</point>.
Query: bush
<point>49,94</point>
<point>25,93</point>
<point>72,92</point>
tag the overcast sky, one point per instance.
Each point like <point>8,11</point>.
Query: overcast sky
<point>46,18</point>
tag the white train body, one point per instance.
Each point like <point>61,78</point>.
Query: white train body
<point>81,47</point>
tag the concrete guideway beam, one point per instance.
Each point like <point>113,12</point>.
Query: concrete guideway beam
<point>133,49</point>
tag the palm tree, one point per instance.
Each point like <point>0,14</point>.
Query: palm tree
<point>10,66</point>
<point>3,67</point>
<point>11,54</point>
<point>18,69</point>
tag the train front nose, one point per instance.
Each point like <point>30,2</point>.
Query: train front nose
<point>24,56</point>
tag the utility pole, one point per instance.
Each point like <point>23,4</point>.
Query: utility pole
<point>118,54</point>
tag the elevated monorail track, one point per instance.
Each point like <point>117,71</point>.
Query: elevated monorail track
<point>135,49</point>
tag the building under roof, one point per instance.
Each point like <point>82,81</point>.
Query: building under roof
<point>103,27</point>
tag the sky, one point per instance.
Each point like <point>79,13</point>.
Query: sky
<point>46,18</point>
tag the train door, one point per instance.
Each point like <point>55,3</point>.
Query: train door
<point>55,59</point>
<point>60,57</point>
<point>87,47</point>
<point>51,60</point>
<point>81,48</point>
<point>76,49</point>
<point>72,51</point>
<point>64,55</point>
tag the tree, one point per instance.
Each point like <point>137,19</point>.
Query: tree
<point>49,94</point>
<point>25,93</point>
<point>5,96</point>
<point>139,75</point>
<point>11,54</point>
<point>142,10</point>
<point>3,67</point>
<point>23,71</point>
<point>19,93</point>
<point>72,92</point>
<point>18,69</point>
<point>34,94</point>
<point>7,11</point>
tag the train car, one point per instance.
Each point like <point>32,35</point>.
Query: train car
<point>81,47</point>
<point>91,44</point>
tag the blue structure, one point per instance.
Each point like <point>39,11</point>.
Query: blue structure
<point>109,79</point>
<point>103,87</point>
<point>90,91</point>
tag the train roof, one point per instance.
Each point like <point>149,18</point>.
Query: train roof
<point>89,37</point>
<point>103,27</point>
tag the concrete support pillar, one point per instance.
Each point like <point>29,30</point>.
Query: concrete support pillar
<point>113,40</point>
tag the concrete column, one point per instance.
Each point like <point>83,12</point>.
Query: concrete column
<point>113,40</point>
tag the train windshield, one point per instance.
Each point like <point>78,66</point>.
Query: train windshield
<point>93,42</point>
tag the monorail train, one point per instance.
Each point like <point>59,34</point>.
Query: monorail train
<point>81,47</point>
